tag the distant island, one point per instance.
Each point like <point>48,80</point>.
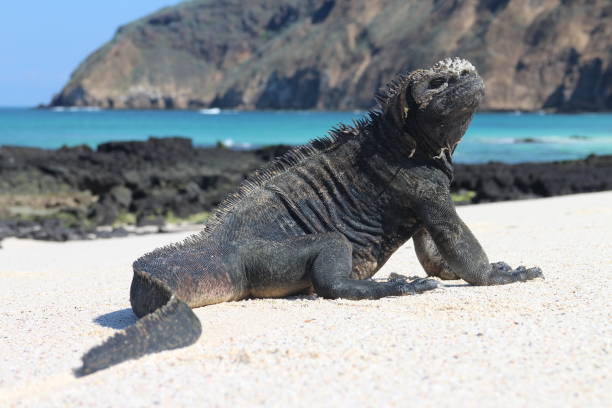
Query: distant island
<point>325,54</point>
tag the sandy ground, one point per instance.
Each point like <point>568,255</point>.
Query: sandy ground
<point>541,343</point>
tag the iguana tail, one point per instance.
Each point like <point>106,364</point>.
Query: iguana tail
<point>166,323</point>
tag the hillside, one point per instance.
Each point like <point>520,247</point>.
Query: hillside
<point>326,54</point>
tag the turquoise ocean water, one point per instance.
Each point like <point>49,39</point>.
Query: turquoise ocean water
<point>504,137</point>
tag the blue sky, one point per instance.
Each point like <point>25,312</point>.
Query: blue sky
<point>43,41</point>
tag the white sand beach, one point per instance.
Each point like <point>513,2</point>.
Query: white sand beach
<point>543,343</point>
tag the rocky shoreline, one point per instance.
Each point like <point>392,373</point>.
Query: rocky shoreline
<point>163,184</point>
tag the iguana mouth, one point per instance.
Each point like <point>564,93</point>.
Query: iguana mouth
<point>473,83</point>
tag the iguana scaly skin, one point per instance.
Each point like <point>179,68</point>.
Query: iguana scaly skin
<point>325,217</point>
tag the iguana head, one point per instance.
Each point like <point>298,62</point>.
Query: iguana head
<point>434,106</point>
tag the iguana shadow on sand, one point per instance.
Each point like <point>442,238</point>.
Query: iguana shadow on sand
<point>325,217</point>
<point>119,319</point>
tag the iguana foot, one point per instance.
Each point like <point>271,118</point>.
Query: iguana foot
<point>403,278</point>
<point>529,273</point>
<point>418,285</point>
<point>503,273</point>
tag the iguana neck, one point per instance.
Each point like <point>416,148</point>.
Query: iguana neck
<point>394,147</point>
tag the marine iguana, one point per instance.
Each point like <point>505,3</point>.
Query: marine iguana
<point>325,217</point>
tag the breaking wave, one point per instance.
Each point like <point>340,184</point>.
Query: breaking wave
<point>545,140</point>
<point>210,111</point>
<point>76,109</point>
<point>229,143</point>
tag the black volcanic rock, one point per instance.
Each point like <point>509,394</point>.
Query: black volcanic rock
<point>500,182</point>
<point>68,193</point>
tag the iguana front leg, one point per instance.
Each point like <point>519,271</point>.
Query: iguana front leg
<point>461,251</point>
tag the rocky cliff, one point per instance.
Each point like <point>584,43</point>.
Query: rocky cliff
<point>333,54</point>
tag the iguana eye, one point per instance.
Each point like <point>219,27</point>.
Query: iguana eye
<point>464,72</point>
<point>437,82</point>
